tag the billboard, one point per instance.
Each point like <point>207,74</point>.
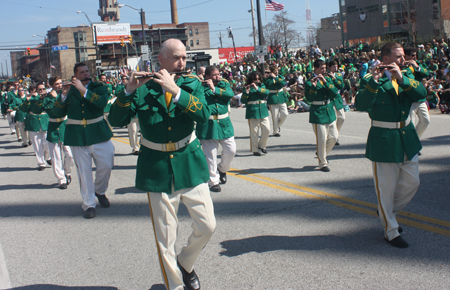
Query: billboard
<point>112,33</point>
<point>227,54</point>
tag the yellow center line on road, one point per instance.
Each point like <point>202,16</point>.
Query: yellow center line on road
<point>331,198</point>
<point>334,199</point>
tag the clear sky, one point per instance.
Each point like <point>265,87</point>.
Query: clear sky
<point>22,19</point>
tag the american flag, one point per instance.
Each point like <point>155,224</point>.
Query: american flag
<point>273,6</point>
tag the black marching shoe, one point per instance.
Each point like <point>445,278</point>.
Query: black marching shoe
<point>89,213</point>
<point>63,186</point>
<point>104,202</point>
<point>49,162</point>
<point>337,143</point>
<point>29,142</point>
<point>190,280</point>
<point>215,188</point>
<point>398,242</point>
<point>41,168</point>
<point>134,152</point>
<point>325,169</point>
<point>25,145</point>
<point>263,150</point>
<point>68,179</point>
<point>257,154</point>
<point>222,177</point>
<point>277,135</point>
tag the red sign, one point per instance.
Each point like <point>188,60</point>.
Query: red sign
<point>227,54</point>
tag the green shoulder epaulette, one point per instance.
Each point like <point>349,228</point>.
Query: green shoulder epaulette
<point>224,80</point>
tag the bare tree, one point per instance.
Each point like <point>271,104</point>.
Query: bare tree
<point>39,72</point>
<point>279,34</point>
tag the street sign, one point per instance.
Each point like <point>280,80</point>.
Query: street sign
<point>144,49</point>
<point>145,57</point>
<point>60,47</point>
<point>28,76</point>
<point>261,50</point>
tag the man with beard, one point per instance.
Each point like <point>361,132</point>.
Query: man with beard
<point>218,129</point>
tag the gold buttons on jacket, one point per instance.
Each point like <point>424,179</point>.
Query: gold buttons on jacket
<point>82,112</point>
<point>404,133</point>
<point>170,128</point>
<point>171,156</point>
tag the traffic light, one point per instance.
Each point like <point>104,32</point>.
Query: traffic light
<point>130,39</point>
<point>28,51</point>
<point>122,42</point>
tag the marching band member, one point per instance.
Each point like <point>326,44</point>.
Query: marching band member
<point>277,99</point>
<point>88,135</point>
<point>256,112</point>
<point>37,125</point>
<point>55,137</point>
<point>320,91</point>
<point>218,129</point>
<point>171,165</point>
<point>393,143</point>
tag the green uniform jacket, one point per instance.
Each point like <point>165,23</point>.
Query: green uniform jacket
<point>218,102</point>
<point>255,111</point>
<point>36,118</point>
<point>20,116</point>
<point>418,75</point>
<point>157,170</point>
<point>56,130</point>
<point>275,84</point>
<point>339,84</point>
<point>321,114</point>
<point>119,88</point>
<point>383,104</point>
<point>77,107</point>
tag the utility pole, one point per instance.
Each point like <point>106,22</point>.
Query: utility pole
<point>253,22</point>
<point>260,33</point>
<point>230,35</point>
<point>220,38</point>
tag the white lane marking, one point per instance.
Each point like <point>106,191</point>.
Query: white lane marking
<point>5,283</point>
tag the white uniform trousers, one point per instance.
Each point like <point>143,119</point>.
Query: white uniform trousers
<point>395,185</point>
<point>23,132</point>
<point>60,170</point>
<point>103,155</point>
<point>40,146</point>
<point>163,211</point>
<point>421,110</point>
<point>133,133</point>
<point>254,125</point>
<point>326,137</point>
<point>210,148</point>
<point>11,121</point>
<point>279,114</point>
<point>340,118</point>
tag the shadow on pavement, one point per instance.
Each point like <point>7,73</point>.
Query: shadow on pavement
<point>59,287</point>
<point>26,186</point>
<point>125,190</point>
<point>158,287</point>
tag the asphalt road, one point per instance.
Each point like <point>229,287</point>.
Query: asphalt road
<point>281,223</point>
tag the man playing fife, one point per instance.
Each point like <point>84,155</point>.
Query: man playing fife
<point>218,130</point>
<point>55,137</point>
<point>393,144</point>
<point>37,125</point>
<point>171,165</point>
<point>88,135</point>
<point>277,99</point>
<point>20,116</point>
<point>320,90</point>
